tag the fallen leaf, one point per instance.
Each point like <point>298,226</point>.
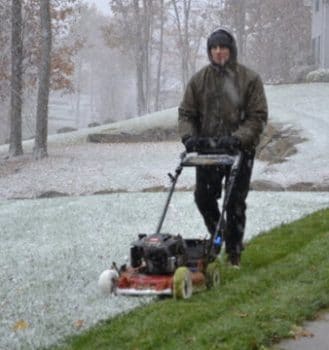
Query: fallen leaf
<point>191,339</point>
<point>79,323</point>
<point>20,325</point>
<point>298,332</point>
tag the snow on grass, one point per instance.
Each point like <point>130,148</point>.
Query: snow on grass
<point>161,119</point>
<point>302,106</point>
<point>53,250</point>
<point>305,107</point>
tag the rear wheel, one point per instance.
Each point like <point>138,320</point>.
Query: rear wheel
<point>107,281</point>
<point>213,274</point>
<point>182,283</point>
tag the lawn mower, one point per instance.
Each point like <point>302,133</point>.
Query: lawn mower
<point>164,264</point>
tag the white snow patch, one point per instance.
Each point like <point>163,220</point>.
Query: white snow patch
<point>53,250</point>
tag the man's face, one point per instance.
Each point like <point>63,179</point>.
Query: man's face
<point>220,54</point>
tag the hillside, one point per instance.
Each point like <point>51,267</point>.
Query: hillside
<point>293,154</point>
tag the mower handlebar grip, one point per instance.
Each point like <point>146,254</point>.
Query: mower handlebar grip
<point>194,159</point>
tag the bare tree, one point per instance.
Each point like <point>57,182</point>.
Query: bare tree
<point>40,146</point>
<point>15,142</point>
<point>143,18</point>
<point>140,60</point>
<point>182,23</point>
<point>239,22</point>
<point>135,35</point>
<point>158,78</point>
<point>272,36</point>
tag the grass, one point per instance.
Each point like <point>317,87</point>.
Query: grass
<point>284,281</point>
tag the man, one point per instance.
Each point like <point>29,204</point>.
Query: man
<point>224,100</point>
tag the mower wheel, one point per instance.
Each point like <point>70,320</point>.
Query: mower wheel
<point>182,283</point>
<point>213,274</point>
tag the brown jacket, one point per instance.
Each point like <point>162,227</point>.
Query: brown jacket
<point>224,101</point>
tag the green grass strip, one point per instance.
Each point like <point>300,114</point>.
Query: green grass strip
<point>284,281</point>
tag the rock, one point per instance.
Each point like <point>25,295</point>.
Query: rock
<point>264,185</point>
<point>112,138</point>
<point>110,191</point>
<point>65,129</point>
<point>155,189</point>
<point>52,194</point>
<point>276,144</point>
<point>152,135</point>
<point>93,125</point>
<point>308,186</point>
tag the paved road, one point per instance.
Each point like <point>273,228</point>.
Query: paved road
<point>316,336</point>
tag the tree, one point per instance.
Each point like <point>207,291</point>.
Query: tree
<point>134,33</point>
<point>15,142</point>
<point>189,23</point>
<point>273,37</point>
<point>236,12</point>
<point>182,22</point>
<point>159,70</point>
<point>105,74</point>
<point>63,15</point>
<point>40,146</point>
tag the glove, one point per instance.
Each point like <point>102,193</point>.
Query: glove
<point>190,143</point>
<point>231,143</point>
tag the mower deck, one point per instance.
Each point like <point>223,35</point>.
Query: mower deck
<point>134,281</point>
<point>131,282</point>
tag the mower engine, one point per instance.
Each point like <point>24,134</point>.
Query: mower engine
<point>159,253</point>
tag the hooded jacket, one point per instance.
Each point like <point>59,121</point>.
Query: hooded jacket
<point>223,101</point>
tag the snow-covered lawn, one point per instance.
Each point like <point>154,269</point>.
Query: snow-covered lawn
<point>52,251</point>
<point>305,107</point>
<point>76,167</point>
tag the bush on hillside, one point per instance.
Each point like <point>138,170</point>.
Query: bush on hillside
<point>298,73</point>
<point>320,75</point>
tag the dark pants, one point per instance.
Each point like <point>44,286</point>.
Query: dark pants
<point>209,189</point>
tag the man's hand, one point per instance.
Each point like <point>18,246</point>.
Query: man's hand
<point>229,142</point>
<point>199,144</point>
<point>190,143</point>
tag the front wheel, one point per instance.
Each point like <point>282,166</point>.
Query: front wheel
<point>182,283</point>
<point>213,275</point>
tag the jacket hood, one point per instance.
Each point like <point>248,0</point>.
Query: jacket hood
<point>223,37</point>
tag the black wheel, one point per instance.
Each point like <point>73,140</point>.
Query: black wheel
<point>182,283</point>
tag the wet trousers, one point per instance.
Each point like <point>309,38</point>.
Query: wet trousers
<point>209,189</point>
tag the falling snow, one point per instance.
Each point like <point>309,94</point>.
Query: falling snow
<point>53,250</point>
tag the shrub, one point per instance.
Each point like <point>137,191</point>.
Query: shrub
<point>298,73</point>
<point>320,75</point>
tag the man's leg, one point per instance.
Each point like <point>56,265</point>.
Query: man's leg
<point>207,191</point>
<point>236,210</point>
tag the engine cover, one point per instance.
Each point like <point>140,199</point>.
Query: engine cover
<point>159,253</point>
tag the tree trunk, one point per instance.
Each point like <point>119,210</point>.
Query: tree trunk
<point>40,146</point>
<point>140,62</point>
<point>147,28</point>
<point>183,37</point>
<point>15,143</point>
<point>158,81</point>
<point>241,28</point>
<point>78,94</point>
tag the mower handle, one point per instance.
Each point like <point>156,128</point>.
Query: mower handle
<point>194,159</point>
<point>220,159</point>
